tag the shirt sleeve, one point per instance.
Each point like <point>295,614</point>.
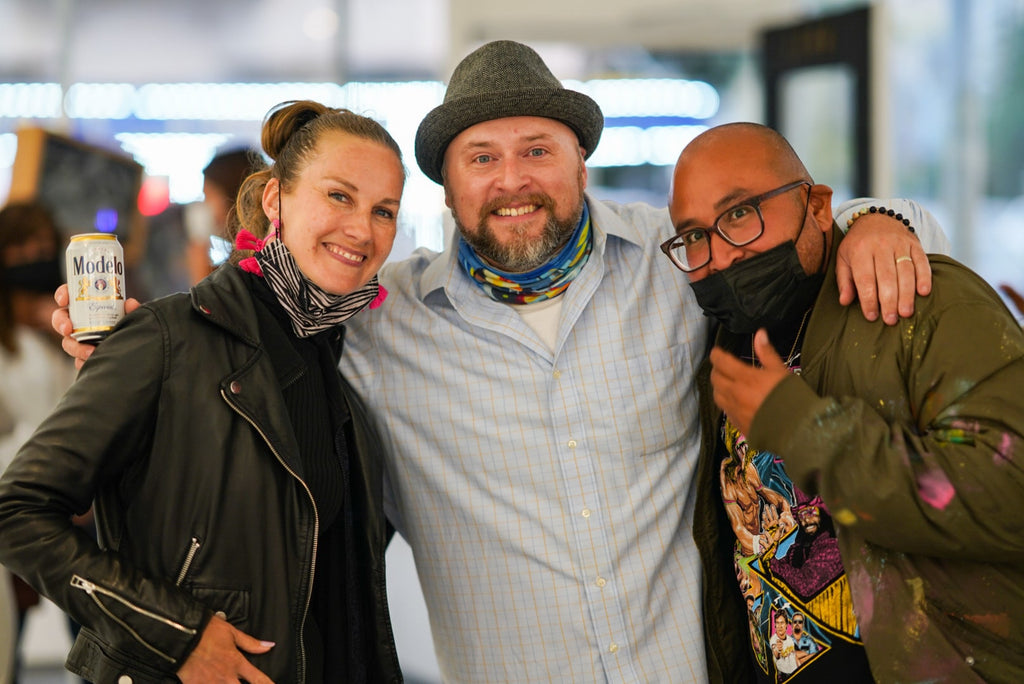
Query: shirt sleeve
<point>929,232</point>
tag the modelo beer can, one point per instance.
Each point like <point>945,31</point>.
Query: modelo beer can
<point>95,270</point>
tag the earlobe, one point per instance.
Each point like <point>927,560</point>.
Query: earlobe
<point>820,207</point>
<point>270,203</point>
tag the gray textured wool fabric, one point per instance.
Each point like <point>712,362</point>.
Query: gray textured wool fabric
<point>502,79</point>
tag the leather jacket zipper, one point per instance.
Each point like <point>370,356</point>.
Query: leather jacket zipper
<point>316,529</point>
<point>95,591</point>
<point>189,557</point>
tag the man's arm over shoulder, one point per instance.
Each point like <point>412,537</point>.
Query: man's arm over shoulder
<point>926,227</point>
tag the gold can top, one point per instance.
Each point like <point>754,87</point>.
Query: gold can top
<point>93,236</point>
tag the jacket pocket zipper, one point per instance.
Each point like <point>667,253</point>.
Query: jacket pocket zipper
<point>189,557</point>
<point>95,591</point>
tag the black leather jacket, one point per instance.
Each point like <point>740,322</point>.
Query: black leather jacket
<point>176,427</point>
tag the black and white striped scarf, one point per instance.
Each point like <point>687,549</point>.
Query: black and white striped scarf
<point>310,308</point>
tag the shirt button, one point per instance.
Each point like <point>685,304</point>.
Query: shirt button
<point>571,444</point>
<point>124,679</point>
<point>614,648</point>
<point>585,512</point>
<point>970,661</point>
<point>557,374</point>
<point>601,581</point>
<point>236,387</point>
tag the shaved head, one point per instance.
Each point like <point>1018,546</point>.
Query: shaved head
<point>760,146</point>
<point>733,163</point>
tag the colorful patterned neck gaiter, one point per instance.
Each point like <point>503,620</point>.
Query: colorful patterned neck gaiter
<point>544,282</point>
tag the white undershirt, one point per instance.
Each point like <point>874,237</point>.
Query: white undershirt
<point>543,318</point>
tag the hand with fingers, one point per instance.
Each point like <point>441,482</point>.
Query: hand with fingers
<point>738,388</point>
<point>883,264</point>
<point>219,656</point>
<point>61,322</point>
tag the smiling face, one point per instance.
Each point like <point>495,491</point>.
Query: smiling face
<point>339,217</point>
<point>780,625</point>
<point>515,188</point>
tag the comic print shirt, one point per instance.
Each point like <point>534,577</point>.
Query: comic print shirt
<point>801,622</point>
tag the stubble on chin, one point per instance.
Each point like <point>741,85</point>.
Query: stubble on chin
<point>521,250</point>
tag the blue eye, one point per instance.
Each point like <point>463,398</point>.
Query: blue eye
<point>537,152</point>
<point>482,159</point>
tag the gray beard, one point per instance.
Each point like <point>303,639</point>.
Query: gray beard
<point>522,253</point>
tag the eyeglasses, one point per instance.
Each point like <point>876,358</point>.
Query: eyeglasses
<point>738,225</point>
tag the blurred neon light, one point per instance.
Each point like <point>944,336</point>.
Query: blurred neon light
<point>628,98</point>
<point>647,120</point>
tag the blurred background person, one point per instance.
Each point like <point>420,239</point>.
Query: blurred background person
<point>34,373</point>
<point>209,218</point>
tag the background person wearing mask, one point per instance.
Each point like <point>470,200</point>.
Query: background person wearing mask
<point>33,371</point>
<point>910,434</point>
<point>237,483</point>
<point>211,217</point>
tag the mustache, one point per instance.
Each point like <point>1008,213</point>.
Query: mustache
<point>541,200</point>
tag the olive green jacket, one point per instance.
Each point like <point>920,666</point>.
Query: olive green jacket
<point>913,435</point>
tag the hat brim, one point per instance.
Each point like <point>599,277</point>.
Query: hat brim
<point>439,127</point>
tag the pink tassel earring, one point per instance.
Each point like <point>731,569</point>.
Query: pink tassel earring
<point>246,240</point>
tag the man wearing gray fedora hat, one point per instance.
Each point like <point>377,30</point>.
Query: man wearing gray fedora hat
<point>534,388</point>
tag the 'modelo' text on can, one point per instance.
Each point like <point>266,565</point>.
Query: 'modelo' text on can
<point>95,270</point>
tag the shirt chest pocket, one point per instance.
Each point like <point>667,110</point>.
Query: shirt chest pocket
<point>640,405</point>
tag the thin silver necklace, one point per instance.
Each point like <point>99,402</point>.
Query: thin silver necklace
<point>792,350</point>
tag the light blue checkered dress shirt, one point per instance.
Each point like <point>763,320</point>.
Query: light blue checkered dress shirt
<point>546,496</point>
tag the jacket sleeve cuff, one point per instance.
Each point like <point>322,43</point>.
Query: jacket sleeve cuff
<point>196,638</point>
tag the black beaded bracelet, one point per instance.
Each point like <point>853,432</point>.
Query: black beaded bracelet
<point>880,210</point>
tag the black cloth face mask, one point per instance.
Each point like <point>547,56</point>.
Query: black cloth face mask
<point>760,292</point>
<point>36,276</point>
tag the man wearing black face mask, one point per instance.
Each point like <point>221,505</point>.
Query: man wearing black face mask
<point>909,435</point>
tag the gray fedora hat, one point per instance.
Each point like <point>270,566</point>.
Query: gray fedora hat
<point>498,80</point>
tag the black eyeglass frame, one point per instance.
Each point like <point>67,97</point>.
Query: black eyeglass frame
<point>669,246</point>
